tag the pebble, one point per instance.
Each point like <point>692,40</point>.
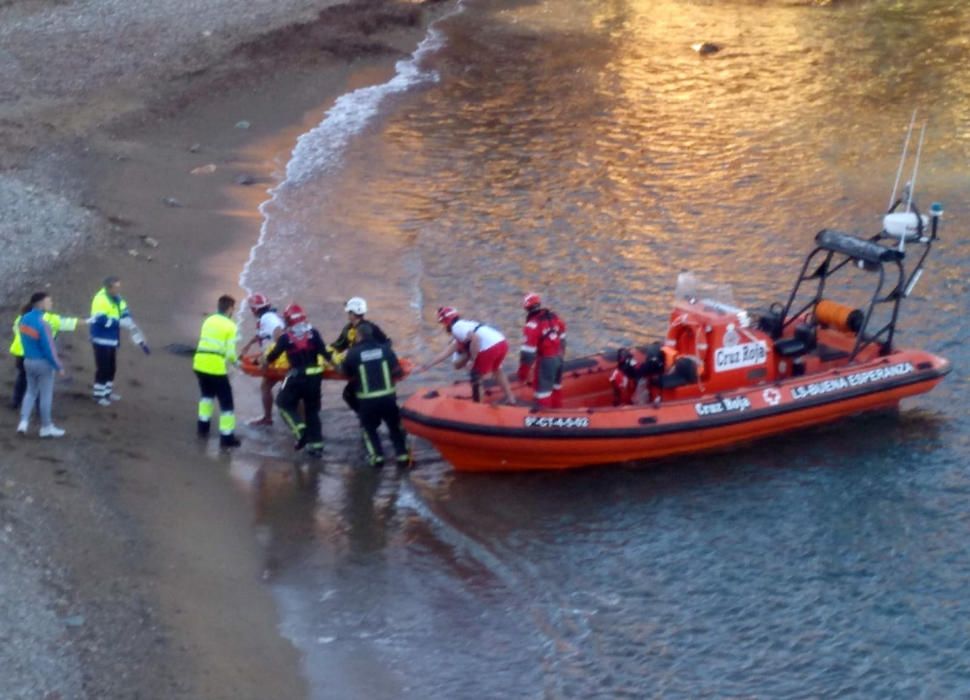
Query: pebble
<point>172,202</point>
<point>243,124</point>
<point>705,47</point>
<point>37,227</point>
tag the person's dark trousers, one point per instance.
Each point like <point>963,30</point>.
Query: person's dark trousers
<point>213,387</point>
<point>105,363</point>
<point>19,385</point>
<point>372,412</point>
<point>305,388</point>
<point>350,397</point>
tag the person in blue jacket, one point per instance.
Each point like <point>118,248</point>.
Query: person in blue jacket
<point>40,364</point>
<point>109,314</point>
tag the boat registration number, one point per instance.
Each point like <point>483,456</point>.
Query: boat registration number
<point>556,422</point>
<point>743,355</point>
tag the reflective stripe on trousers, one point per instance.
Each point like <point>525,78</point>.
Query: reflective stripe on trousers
<point>227,422</point>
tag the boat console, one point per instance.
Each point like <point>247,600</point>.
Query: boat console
<point>731,348</point>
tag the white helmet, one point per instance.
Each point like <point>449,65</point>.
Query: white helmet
<point>356,305</point>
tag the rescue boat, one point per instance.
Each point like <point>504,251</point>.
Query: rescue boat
<point>728,375</point>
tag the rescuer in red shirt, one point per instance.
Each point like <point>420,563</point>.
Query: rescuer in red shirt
<point>543,339</point>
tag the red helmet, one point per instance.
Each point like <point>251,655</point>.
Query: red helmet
<point>257,302</point>
<point>447,315</point>
<point>294,314</point>
<point>531,301</point>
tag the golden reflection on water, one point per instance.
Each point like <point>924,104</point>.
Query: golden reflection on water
<point>592,154</point>
<point>596,155</point>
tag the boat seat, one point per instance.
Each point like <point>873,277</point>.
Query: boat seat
<point>828,354</point>
<point>790,347</point>
<point>683,373</point>
<point>802,342</point>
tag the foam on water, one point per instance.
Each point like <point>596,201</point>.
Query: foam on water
<point>320,149</point>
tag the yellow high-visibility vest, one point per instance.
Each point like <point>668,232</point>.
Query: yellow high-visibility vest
<point>217,345</point>
<point>56,322</point>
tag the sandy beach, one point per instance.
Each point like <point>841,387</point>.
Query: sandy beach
<point>128,564</point>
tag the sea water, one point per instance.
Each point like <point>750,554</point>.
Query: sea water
<point>584,150</point>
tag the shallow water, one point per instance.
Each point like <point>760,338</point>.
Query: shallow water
<point>584,150</point>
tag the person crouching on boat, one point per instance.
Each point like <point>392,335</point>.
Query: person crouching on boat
<point>662,368</point>
<point>269,327</point>
<point>624,378</point>
<point>483,346</point>
<point>543,337</point>
<point>303,345</point>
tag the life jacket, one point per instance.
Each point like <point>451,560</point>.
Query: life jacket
<point>467,345</point>
<point>544,331</point>
<point>624,387</point>
<point>269,321</point>
<point>688,338</point>
<point>670,356</point>
<point>463,331</point>
<point>304,347</point>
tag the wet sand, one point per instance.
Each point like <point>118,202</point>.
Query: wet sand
<point>144,551</point>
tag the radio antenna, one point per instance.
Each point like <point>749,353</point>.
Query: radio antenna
<point>902,160</point>
<point>910,188</point>
<point>912,183</point>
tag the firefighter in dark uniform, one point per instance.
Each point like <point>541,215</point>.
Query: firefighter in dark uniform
<point>303,345</point>
<point>372,367</point>
<point>356,307</point>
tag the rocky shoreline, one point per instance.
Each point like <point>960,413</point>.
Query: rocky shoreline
<point>127,566</point>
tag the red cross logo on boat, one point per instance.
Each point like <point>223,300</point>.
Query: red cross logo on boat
<point>771,396</point>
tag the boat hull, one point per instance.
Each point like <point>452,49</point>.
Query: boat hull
<point>489,437</point>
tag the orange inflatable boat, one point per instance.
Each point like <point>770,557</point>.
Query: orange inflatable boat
<point>727,376</point>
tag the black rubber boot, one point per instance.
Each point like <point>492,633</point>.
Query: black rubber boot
<point>228,441</point>
<point>202,428</point>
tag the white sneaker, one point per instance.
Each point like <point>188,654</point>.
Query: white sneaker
<point>104,402</point>
<point>22,427</point>
<point>52,431</point>
<point>115,397</point>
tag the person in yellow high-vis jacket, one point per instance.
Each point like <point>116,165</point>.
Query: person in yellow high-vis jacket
<point>215,351</point>
<point>57,324</point>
